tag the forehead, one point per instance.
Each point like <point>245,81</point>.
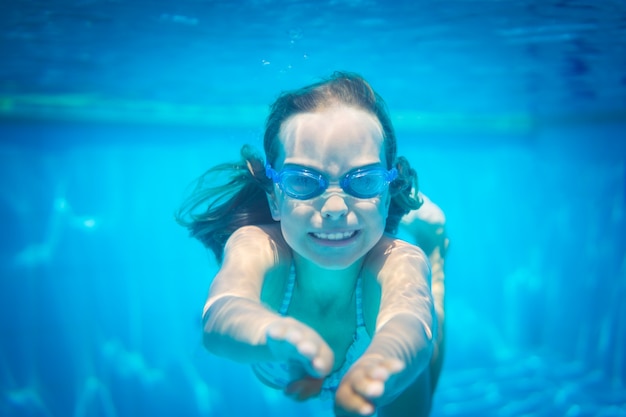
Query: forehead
<point>332,139</point>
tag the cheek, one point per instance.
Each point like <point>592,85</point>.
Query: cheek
<point>379,204</point>
<point>295,214</point>
<point>374,212</point>
<point>295,219</point>
<point>294,208</point>
<point>384,208</point>
<point>385,202</point>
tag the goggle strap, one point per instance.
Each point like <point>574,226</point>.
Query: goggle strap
<point>271,172</point>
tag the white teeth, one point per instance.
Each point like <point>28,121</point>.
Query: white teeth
<point>334,236</point>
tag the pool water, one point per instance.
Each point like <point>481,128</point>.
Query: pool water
<point>513,113</point>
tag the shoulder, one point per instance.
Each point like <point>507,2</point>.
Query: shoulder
<point>395,260</point>
<point>256,260</point>
<point>257,241</point>
<point>393,270</point>
<point>390,249</point>
<point>243,233</point>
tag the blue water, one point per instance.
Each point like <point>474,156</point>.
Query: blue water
<point>513,113</point>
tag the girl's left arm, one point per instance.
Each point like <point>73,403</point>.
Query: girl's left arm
<point>406,323</point>
<point>398,306</point>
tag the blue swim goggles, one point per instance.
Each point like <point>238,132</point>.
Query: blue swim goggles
<point>305,183</point>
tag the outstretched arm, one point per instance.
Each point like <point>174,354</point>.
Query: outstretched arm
<point>426,227</point>
<point>400,299</point>
<point>238,325</point>
<point>235,321</point>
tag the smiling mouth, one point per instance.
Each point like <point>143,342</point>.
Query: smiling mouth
<point>335,236</point>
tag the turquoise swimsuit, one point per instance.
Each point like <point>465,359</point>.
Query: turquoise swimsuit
<point>276,374</point>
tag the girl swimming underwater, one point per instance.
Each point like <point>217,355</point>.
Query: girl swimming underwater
<point>313,288</point>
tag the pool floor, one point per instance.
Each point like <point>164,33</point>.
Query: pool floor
<point>528,386</point>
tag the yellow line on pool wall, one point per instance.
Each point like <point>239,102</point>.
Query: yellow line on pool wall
<point>93,108</point>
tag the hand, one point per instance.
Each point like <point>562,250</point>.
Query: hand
<point>309,357</point>
<point>361,389</point>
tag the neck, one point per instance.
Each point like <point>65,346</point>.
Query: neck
<point>320,285</point>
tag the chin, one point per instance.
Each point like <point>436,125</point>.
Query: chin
<point>335,263</point>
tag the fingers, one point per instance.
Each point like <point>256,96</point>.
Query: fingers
<point>375,374</point>
<point>292,341</point>
<point>364,385</point>
<point>348,403</point>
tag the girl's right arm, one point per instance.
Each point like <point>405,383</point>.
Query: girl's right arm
<point>239,326</point>
<point>235,322</point>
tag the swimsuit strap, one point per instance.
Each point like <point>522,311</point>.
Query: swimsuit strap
<point>360,320</point>
<point>291,282</point>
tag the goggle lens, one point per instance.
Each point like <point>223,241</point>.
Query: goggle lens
<point>304,184</point>
<point>366,184</point>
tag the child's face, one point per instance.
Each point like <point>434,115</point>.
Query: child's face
<point>334,229</point>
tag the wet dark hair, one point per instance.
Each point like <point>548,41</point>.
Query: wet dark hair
<point>231,195</point>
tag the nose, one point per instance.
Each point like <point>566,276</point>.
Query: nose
<point>334,207</point>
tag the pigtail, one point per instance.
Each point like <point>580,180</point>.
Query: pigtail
<point>225,198</point>
<point>404,194</point>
